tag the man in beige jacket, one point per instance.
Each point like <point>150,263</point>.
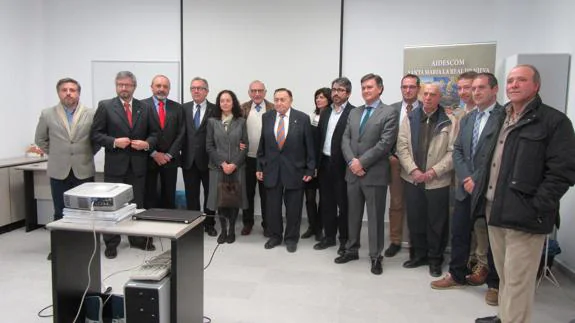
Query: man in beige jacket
<point>424,148</point>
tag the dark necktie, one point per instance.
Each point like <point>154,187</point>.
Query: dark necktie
<point>197,116</point>
<point>128,113</point>
<point>364,120</point>
<point>280,135</point>
<point>162,114</point>
<point>476,133</point>
<point>409,107</point>
<point>258,108</point>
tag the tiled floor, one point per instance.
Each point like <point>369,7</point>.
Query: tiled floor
<point>246,283</point>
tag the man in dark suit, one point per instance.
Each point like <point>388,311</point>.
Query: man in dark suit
<point>194,155</point>
<point>332,166</point>
<point>477,130</point>
<point>410,86</point>
<point>123,126</point>
<point>286,160</point>
<point>366,144</point>
<point>253,111</point>
<point>168,117</point>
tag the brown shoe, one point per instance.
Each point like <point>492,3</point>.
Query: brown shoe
<point>246,230</point>
<point>492,297</point>
<point>478,275</point>
<point>446,282</point>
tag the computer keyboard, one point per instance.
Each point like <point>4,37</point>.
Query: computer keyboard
<point>154,269</point>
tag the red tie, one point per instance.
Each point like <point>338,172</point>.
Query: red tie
<point>128,113</point>
<point>161,114</point>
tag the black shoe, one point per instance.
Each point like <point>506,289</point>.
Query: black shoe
<point>435,270</point>
<point>488,319</point>
<point>291,247</point>
<point>210,230</point>
<point>341,249</point>
<point>307,234</point>
<point>49,258</point>
<point>415,262</point>
<point>319,236</point>
<point>324,244</point>
<point>346,257</point>
<point>272,243</point>
<point>222,238</point>
<point>376,268</point>
<point>111,252</point>
<point>231,238</point>
<point>392,250</point>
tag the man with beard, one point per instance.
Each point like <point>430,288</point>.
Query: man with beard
<point>123,126</point>
<point>164,160</point>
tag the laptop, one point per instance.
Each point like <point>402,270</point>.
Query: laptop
<point>180,216</point>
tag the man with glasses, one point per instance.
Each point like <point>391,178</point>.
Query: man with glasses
<point>253,111</point>
<point>123,126</point>
<point>332,166</point>
<point>410,86</point>
<point>194,155</point>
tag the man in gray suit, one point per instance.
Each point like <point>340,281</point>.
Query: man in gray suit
<point>63,133</point>
<point>367,142</point>
<point>477,131</point>
<point>410,86</point>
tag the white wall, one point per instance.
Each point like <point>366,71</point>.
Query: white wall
<point>22,74</point>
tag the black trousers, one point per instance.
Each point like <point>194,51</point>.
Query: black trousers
<point>138,186</point>
<point>165,196</point>
<point>333,201</point>
<point>251,183</point>
<point>428,221</point>
<point>461,228</point>
<point>313,216</point>
<point>59,186</point>
<point>193,177</point>
<point>293,200</point>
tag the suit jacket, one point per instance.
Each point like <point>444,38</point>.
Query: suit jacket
<point>464,163</point>
<point>194,145</point>
<point>247,106</point>
<point>295,160</point>
<point>171,137</point>
<point>69,146</point>
<point>110,122</point>
<point>374,146</point>
<point>336,155</point>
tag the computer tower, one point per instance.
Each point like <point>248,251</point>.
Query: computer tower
<point>147,301</point>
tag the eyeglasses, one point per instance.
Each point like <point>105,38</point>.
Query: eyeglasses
<point>126,85</point>
<point>409,87</point>
<point>339,90</point>
<point>257,90</point>
<point>197,88</point>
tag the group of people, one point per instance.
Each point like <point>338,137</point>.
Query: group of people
<point>507,167</point>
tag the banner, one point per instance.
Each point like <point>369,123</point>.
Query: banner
<point>442,64</point>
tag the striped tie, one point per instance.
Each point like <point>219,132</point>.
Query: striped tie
<point>476,133</point>
<point>280,135</point>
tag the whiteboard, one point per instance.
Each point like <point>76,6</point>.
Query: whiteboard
<point>104,75</point>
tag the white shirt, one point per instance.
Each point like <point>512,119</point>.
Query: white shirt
<point>331,124</point>
<point>404,104</point>
<point>254,127</point>
<point>203,107</point>
<point>485,117</point>
<point>286,123</point>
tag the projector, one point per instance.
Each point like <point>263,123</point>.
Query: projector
<point>103,196</point>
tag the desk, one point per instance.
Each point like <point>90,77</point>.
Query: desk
<point>12,203</point>
<point>37,192</point>
<point>72,246</point>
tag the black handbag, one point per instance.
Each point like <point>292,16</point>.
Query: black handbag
<point>229,192</point>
